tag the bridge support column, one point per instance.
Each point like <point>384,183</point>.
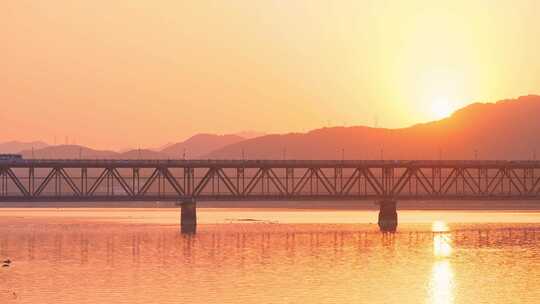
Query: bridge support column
<point>388,218</point>
<point>188,216</point>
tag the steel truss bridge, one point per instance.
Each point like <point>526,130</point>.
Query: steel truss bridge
<point>30,180</point>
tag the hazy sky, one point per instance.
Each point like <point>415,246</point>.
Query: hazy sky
<point>125,73</point>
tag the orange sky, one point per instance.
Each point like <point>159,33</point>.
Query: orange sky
<point>125,73</point>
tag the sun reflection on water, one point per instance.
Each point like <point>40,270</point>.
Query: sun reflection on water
<point>442,245</point>
<point>442,283</point>
<point>442,242</point>
<point>439,226</point>
<point>441,289</point>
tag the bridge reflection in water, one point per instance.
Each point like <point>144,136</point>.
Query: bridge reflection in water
<point>189,181</point>
<point>418,265</point>
<point>109,246</point>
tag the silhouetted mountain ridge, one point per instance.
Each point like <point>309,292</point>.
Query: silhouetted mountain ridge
<point>194,147</point>
<point>68,152</point>
<point>199,145</point>
<point>507,129</point>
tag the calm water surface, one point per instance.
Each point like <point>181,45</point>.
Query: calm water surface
<point>268,256</point>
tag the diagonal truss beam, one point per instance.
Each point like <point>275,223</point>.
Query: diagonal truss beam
<point>328,185</point>
<point>402,181</point>
<point>204,181</point>
<point>422,179</point>
<point>475,187</point>
<point>299,186</point>
<point>349,183</point>
<point>45,182</point>
<point>62,172</point>
<point>146,186</point>
<point>228,182</point>
<point>253,182</point>
<point>17,182</point>
<point>374,182</point>
<point>495,182</point>
<point>276,181</point>
<point>172,181</point>
<point>515,180</point>
<point>450,180</point>
<point>97,182</point>
<point>123,183</point>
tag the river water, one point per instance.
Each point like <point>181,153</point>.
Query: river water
<point>268,256</point>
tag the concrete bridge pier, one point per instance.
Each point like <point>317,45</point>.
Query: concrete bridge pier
<point>188,216</point>
<point>388,218</point>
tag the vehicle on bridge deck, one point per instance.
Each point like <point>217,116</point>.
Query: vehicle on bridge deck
<point>10,156</point>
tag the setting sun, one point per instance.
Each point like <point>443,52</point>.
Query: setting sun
<point>441,108</point>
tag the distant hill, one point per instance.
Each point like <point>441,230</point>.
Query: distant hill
<point>199,145</point>
<point>142,154</point>
<point>508,129</point>
<point>165,146</point>
<point>17,146</point>
<point>249,134</point>
<point>195,147</point>
<point>68,152</point>
<point>75,152</point>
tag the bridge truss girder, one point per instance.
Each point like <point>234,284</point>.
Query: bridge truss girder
<point>121,182</point>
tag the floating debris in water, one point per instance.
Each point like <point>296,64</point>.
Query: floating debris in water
<point>6,263</point>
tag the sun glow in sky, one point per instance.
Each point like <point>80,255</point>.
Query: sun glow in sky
<point>131,73</point>
<point>441,108</point>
